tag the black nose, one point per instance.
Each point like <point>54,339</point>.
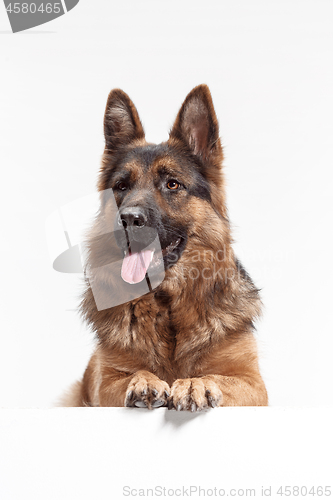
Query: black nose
<point>132,217</point>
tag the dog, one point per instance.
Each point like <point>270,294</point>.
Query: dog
<point>187,343</point>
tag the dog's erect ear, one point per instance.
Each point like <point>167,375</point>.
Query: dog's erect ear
<point>196,124</point>
<point>122,124</point>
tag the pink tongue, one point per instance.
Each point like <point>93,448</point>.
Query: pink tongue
<point>135,266</point>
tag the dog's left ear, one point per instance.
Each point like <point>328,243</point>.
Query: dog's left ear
<point>196,124</point>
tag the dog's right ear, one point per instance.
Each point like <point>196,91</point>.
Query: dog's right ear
<point>122,124</point>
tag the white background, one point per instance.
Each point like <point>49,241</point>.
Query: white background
<point>269,68</point>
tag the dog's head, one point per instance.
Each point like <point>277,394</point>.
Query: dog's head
<point>173,190</point>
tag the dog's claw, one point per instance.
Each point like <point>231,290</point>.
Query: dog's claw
<point>140,404</point>
<point>179,407</point>
<point>193,407</point>
<point>158,403</point>
<point>211,402</point>
<point>154,392</point>
<point>129,396</point>
<point>170,405</point>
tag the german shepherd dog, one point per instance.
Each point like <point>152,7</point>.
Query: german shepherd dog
<point>188,343</point>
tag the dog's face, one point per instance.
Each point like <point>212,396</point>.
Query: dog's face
<point>164,190</point>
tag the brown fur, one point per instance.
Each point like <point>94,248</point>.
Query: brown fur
<point>189,343</point>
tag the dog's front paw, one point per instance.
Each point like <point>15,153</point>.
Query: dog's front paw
<point>145,390</point>
<point>195,394</point>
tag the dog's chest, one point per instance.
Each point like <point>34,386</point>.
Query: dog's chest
<point>155,335</point>
<point>152,328</point>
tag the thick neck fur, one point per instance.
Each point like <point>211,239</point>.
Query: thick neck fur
<point>205,298</point>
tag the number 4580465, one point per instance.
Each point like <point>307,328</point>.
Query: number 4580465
<point>31,8</point>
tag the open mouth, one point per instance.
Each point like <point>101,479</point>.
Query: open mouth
<point>136,261</point>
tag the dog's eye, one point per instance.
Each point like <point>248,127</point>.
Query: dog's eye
<point>173,185</point>
<point>122,186</point>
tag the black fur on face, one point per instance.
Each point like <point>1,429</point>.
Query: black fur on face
<point>152,185</point>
